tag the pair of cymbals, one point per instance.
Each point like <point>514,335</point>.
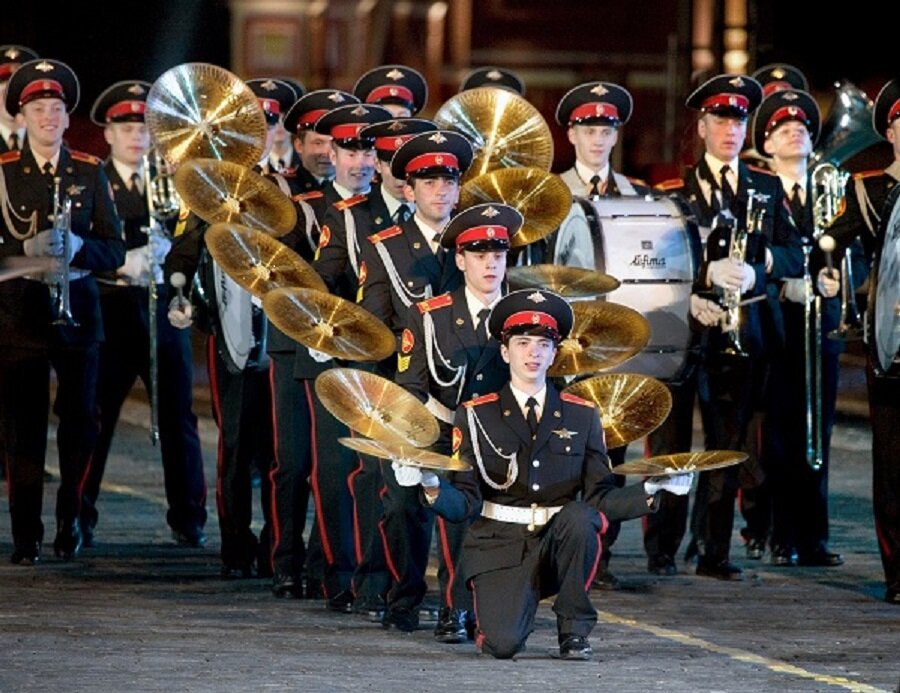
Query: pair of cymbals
<point>569,282</point>
<point>681,463</point>
<point>604,335</point>
<point>405,454</point>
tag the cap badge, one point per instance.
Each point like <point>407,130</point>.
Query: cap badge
<point>789,96</point>
<point>12,53</point>
<point>136,89</point>
<point>494,75</point>
<point>736,82</point>
<point>396,125</point>
<point>490,232</point>
<point>437,138</point>
<point>535,318</point>
<point>490,212</point>
<point>439,160</point>
<point>792,110</point>
<point>359,111</point>
<point>778,73</point>
<point>600,90</point>
<point>269,85</point>
<point>536,297</point>
<point>395,74</point>
<point>44,66</point>
<point>732,101</point>
<point>398,141</point>
<point>336,97</point>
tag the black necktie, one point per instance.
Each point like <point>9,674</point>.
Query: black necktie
<point>14,142</point>
<point>531,415</point>
<point>796,204</point>
<point>727,192</point>
<point>280,165</point>
<point>481,327</point>
<point>595,190</point>
<point>402,213</point>
<point>47,168</point>
<point>136,184</point>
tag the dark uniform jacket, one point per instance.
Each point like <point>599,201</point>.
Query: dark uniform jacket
<point>25,305</point>
<point>567,460</point>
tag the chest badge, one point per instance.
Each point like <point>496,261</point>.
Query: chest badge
<point>565,433</point>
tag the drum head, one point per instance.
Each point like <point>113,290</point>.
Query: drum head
<point>887,291</point>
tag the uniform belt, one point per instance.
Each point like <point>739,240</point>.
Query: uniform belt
<point>443,413</point>
<point>534,516</point>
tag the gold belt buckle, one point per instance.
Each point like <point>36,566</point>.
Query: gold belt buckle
<point>531,525</point>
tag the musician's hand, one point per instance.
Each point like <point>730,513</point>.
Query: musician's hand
<point>180,313</point>
<point>160,245</point>
<point>318,356</point>
<point>49,243</point>
<point>829,282</point>
<point>407,475</point>
<point>677,484</point>
<point>136,266</point>
<point>795,290</point>
<point>749,279</point>
<point>726,274</point>
<point>707,313</point>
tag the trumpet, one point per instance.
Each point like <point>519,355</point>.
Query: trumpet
<point>62,222</point>
<point>163,204</point>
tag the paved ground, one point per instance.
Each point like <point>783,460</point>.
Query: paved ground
<point>138,613</point>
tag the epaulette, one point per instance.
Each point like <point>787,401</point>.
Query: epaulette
<point>341,205</point>
<point>311,195</point>
<point>484,399</point>
<point>758,169</point>
<point>671,184</point>
<point>637,181</point>
<point>10,156</point>
<point>568,397</point>
<point>431,304</point>
<point>868,174</point>
<point>86,158</point>
<point>376,238</point>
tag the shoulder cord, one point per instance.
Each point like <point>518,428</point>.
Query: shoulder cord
<point>406,296</point>
<point>430,346</point>
<point>8,208</point>
<point>512,469</point>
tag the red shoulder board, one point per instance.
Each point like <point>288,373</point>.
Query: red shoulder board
<point>13,155</point>
<point>376,238</point>
<point>484,399</point>
<point>671,184</point>
<point>431,304</point>
<point>567,397</point>
<point>758,169</point>
<point>86,158</point>
<point>312,195</point>
<point>868,174</point>
<point>636,181</point>
<point>341,205</point>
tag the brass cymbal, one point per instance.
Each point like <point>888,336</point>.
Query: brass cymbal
<point>569,282</point>
<point>376,407</point>
<point>631,405</point>
<point>605,334</point>
<point>328,323</point>
<point>405,454</point>
<point>199,110</point>
<point>258,262</point>
<point>541,197</point>
<point>505,130</point>
<point>681,463</point>
<point>220,191</point>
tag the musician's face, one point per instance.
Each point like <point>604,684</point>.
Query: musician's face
<point>529,357</point>
<point>5,117</point>
<point>893,136</point>
<point>722,135</point>
<point>353,168</point>
<point>593,144</point>
<point>128,142</point>
<point>789,140</point>
<point>483,271</point>
<point>45,121</point>
<point>397,110</point>
<point>390,185</point>
<point>435,199</point>
<point>315,153</point>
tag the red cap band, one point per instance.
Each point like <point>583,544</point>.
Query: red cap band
<point>482,233</point>
<point>270,106</point>
<point>596,109</point>
<point>778,85</point>
<point>309,118</point>
<point>785,113</point>
<point>530,317</point>
<point>392,143</point>
<point>894,112</point>
<point>726,101</point>
<point>6,70</point>
<point>431,160</point>
<point>40,88</point>
<point>124,108</point>
<point>390,91</point>
<point>347,131</point>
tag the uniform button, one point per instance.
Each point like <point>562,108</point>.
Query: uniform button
<point>479,377</point>
<point>535,487</point>
<point>568,448</point>
<point>536,463</point>
<point>475,395</point>
<point>409,284</point>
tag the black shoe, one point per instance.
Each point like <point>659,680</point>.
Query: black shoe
<point>189,536</point>
<point>342,602</point>
<point>820,558</point>
<point>605,580</point>
<point>67,544</point>
<point>783,556</point>
<point>286,586</point>
<point>892,596</point>
<point>237,572</point>
<point>662,565</point>
<point>371,606</point>
<point>312,589</point>
<point>87,533</point>
<point>403,620</point>
<point>451,626</point>
<point>755,549</point>
<point>574,647</point>
<point>722,570</point>
<point>28,553</point>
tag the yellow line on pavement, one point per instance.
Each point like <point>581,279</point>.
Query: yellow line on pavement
<point>135,493</point>
<point>740,655</point>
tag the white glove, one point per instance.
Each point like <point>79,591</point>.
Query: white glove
<point>829,285</point>
<point>795,290</point>
<point>707,313</point>
<point>49,243</point>
<point>726,274</point>
<point>160,245</point>
<point>319,356</point>
<point>180,313</point>
<point>136,266</point>
<point>677,484</point>
<point>749,280</point>
<point>407,475</point>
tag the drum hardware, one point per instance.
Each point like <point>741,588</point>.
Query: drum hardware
<point>405,454</point>
<point>376,407</point>
<point>542,198</point>
<point>681,463</point>
<point>505,130</point>
<point>605,334</point>
<point>62,223</point>
<point>569,282</point>
<point>200,110</point>
<point>631,405</point>
<point>225,192</point>
<point>329,324</point>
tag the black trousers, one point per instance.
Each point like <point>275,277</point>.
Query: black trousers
<point>561,560</point>
<point>371,579</point>
<point>25,395</point>
<point>125,357</point>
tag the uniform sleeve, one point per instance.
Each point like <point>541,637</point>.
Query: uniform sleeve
<point>184,256</point>
<point>460,495</point>
<point>331,260</point>
<point>412,366</point>
<point>787,248</point>
<point>104,245</point>
<point>375,287</point>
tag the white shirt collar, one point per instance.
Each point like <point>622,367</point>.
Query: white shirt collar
<point>393,204</point>
<point>788,184</point>
<point>715,165</point>
<point>522,397</point>
<point>475,306</point>
<point>5,132</point>
<point>427,233</point>
<point>586,174</point>
<point>40,161</point>
<point>346,193</point>
<point>124,170</point>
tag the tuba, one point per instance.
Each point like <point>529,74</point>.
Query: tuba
<point>847,129</point>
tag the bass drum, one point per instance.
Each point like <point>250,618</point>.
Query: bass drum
<point>883,308</point>
<point>645,243</point>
